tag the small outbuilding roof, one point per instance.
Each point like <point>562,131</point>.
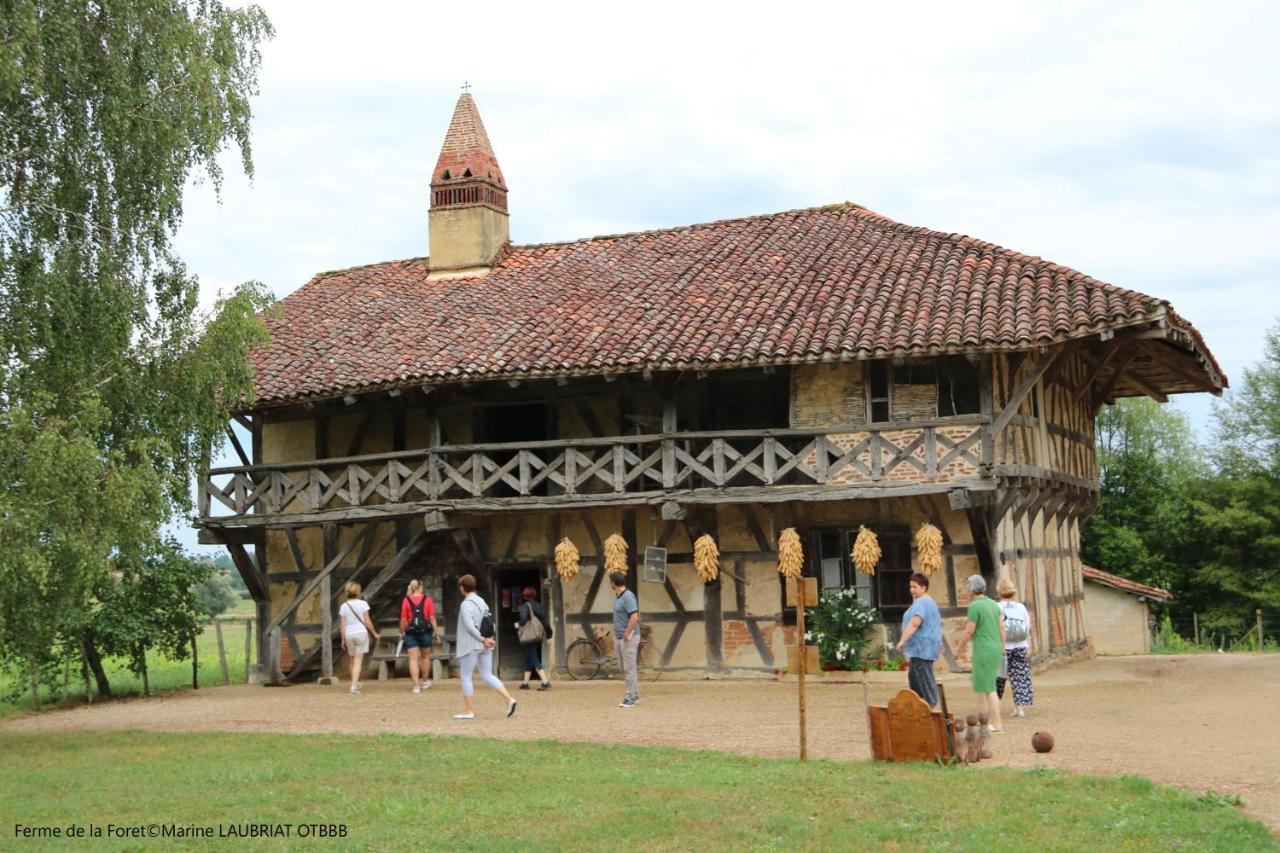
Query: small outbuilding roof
<point>1126,585</point>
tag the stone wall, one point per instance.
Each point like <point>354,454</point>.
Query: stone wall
<point>1118,621</point>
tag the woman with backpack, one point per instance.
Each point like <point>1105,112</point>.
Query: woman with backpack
<point>418,629</point>
<point>533,630</point>
<point>1017,645</point>
<point>475,646</point>
<point>357,628</point>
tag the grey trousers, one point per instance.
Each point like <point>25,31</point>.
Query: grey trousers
<point>920,679</point>
<point>628,652</point>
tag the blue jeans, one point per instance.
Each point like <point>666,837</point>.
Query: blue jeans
<point>417,641</point>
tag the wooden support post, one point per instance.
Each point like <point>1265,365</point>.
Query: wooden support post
<point>1258,613</point>
<point>329,547</point>
<point>222,653</point>
<point>273,673</point>
<point>248,647</point>
<point>326,631</point>
<point>800,662</point>
<point>195,666</point>
<point>1195,626</point>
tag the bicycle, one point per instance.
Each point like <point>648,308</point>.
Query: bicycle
<point>585,659</point>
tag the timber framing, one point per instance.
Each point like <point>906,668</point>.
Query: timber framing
<point>415,492</point>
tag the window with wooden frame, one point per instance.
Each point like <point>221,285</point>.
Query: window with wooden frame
<point>830,550</point>
<point>924,390</point>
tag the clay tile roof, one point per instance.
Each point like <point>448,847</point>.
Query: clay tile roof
<point>786,288</point>
<point>1125,585</point>
<point>466,147</point>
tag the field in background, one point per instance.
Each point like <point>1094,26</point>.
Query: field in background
<point>396,791</point>
<point>163,673</point>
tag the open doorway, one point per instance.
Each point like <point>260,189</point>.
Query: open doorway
<point>509,583</point>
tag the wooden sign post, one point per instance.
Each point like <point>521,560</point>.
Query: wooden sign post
<point>803,654</point>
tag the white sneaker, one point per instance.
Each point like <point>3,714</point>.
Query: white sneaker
<point>354,690</point>
<point>426,685</point>
<point>417,689</point>
<point>464,716</point>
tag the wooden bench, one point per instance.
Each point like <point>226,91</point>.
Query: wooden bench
<point>388,652</point>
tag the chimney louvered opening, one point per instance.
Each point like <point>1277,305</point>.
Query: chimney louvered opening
<point>469,195</point>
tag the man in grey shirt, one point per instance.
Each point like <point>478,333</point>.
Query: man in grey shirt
<point>626,635</point>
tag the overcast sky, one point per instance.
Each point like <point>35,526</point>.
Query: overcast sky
<point>1135,142</point>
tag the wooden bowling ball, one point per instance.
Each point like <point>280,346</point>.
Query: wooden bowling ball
<point>1042,741</point>
<point>972,719</point>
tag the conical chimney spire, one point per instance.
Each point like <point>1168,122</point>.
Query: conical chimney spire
<point>467,153</point>
<point>468,219</point>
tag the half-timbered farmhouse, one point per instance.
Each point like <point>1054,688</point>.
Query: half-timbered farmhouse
<point>819,369</point>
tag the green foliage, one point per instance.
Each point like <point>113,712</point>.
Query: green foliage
<point>215,593</point>
<point>1249,418</point>
<point>1146,459</point>
<point>840,627</point>
<point>1212,538</point>
<point>114,388</point>
<point>1170,641</point>
<point>150,605</point>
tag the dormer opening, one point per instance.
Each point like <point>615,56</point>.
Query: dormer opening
<point>467,173</point>
<point>446,176</point>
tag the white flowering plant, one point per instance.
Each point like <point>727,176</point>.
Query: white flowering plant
<point>840,626</point>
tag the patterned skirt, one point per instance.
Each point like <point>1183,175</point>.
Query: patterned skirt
<point>1020,675</point>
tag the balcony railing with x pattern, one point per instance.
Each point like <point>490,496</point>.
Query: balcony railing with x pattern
<point>621,466</point>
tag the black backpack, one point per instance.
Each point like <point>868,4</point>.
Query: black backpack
<point>486,625</point>
<point>418,624</point>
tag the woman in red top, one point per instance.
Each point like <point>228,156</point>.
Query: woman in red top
<point>418,626</point>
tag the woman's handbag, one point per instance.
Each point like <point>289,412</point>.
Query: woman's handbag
<point>532,631</point>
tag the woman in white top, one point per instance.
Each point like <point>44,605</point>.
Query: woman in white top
<point>1017,629</point>
<point>357,628</point>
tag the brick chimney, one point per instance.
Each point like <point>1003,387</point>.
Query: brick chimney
<point>468,223</point>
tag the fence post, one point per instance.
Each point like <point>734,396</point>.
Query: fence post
<point>195,664</point>
<point>1258,613</point>
<point>1195,624</point>
<point>222,653</point>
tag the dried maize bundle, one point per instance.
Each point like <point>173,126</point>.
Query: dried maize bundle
<point>866,551</point>
<point>615,554</point>
<point>929,546</point>
<point>790,553</point>
<point>706,558</point>
<point>567,560</point>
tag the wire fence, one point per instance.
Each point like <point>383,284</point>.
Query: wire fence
<point>1182,631</point>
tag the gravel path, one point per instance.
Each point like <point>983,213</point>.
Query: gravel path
<point>1197,721</point>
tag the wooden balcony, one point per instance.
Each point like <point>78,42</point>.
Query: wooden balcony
<point>697,467</point>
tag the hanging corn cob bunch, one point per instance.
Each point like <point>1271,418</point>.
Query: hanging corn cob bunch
<point>929,546</point>
<point>615,554</point>
<point>790,553</point>
<point>706,558</point>
<point>567,560</point>
<point>866,551</point>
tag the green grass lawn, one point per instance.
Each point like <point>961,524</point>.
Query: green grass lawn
<point>164,674</point>
<point>431,792</point>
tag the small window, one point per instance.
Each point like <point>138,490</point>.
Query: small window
<point>958,387</point>
<point>446,176</point>
<point>878,382</point>
<point>467,173</point>
<point>942,388</point>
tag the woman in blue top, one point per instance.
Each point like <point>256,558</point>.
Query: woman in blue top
<point>921,639</point>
